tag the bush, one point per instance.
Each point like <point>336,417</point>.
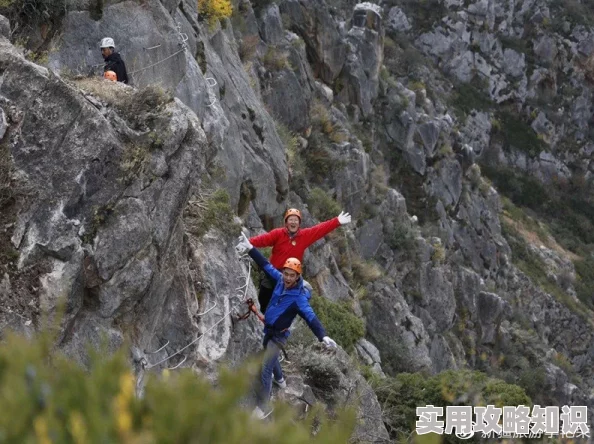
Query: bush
<point>339,321</point>
<point>9,195</point>
<point>518,134</point>
<point>402,238</point>
<point>215,10</point>
<point>534,267</point>
<point>47,398</point>
<point>25,15</point>
<point>585,280</point>
<point>321,205</point>
<point>468,97</point>
<point>275,59</point>
<point>321,373</point>
<point>211,211</point>
<point>248,46</point>
<point>401,395</point>
<point>569,214</point>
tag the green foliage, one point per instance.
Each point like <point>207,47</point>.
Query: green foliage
<point>295,159</point>
<point>402,238</point>
<point>568,213</point>
<point>100,215</point>
<point>401,395</point>
<point>339,321</point>
<point>425,13</point>
<point>320,162</point>
<point>257,274</point>
<point>584,285</point>
<point>519,215</point>
<point>31,14</point>
<point>468,97</point>
<point>210,211</point>
<point>322,205</point>
<point>322,373</point>
<point>134,160</point>
<point>46,397</point>
<point>576,12</point>
<point>11,192</point>
<point>518,134</point>
<point>535,268</point>
<point>275,59</point>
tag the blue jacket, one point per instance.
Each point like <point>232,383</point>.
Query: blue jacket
<point>286,304</point>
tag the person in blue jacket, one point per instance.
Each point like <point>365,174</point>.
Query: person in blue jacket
<point>289,299</point>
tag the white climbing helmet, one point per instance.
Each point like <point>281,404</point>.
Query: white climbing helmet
<point>107,42</point>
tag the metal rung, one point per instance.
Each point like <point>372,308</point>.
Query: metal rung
<point>156,351</point>
<point>204,312</point>
<point>182,361</point>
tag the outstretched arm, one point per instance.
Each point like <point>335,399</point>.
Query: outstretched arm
<point>309,316</point>
<point>263,263</point>
<point>244,246</point>
<point>266,239</point>
<point>320,230</point>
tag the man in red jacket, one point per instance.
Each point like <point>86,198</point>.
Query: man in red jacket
<point>291,241</point>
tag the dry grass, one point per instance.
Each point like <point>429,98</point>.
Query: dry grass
<point>535,238</point>
<point>248,46</point>
<point>114,93</point>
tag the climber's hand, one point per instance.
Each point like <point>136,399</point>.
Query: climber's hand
<point>329,342</point>
<point>344,218</point>
<point>244,245</point>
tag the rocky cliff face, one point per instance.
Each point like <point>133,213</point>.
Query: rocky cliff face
<point>420,121</point>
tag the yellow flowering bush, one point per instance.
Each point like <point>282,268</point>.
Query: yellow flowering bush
<point>47,398</point>
<point>215,10</point>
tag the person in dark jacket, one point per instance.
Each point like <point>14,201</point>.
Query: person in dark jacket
<point>289,299</point>
<point>113,60</point>
<point>291,241</point>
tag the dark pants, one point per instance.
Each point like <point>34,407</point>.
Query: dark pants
<point>271,366</point>
<point>266,289</point>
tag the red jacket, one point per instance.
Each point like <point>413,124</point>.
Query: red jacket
<point>285,246</point>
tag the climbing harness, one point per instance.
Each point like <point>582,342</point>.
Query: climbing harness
<point>251,309</point>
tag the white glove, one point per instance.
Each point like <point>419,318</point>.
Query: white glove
<point>344,218</point>
<point>244,245</point>
<point>329,342</point>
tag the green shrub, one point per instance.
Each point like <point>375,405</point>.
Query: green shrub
<point>322,373</point>
<point>31,14</point>
<point>339,321</point>
<point>518,134</point>
<point>321,205</point>
<point>275,59</point>
<point>569,213</point>
<point>133,163</point>
<point>585,280</point>
<point>425,12</point>
<point>468,97</point>
<point>211,211</point>
<point>46,398</point>
<point>402,238</point>
<point>401,395</point>
<point>535,269</point>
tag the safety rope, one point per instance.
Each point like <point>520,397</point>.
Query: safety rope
<point>147,365</point>
<point>157,63</point>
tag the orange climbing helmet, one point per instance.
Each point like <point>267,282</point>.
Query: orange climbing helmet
<point>110,75</point>
<point>293,212</point>
<point>293,264</point>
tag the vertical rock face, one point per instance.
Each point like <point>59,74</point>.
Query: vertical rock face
<point>295,86</point>
<point>325,46</point>
<point>359,80</point>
